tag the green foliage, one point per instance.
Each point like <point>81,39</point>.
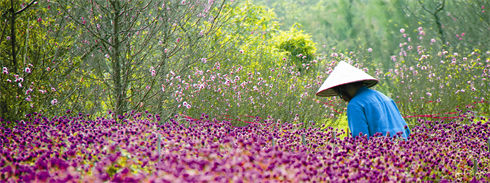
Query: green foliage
<point>369,33</point>
<point>257,79</point>
<point>345,25</point>
<point>130,61</point>
<point>296,44</point>
<point>252,27</point>
<point>460,23</point>
<point>38,79</point>
<point>233,60</point>
<point>427,81</point>
<point>441,80</point>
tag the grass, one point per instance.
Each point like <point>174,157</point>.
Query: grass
<point>343,125</point>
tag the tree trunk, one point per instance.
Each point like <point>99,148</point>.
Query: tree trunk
<point>12,33</point>
<point>116,62</point>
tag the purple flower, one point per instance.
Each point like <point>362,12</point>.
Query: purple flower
<point>104,176</point>
<point>42,175</point>
<point>158,117</point>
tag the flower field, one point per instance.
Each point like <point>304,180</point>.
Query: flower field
<point>73,149</point>
<point>229,96</point>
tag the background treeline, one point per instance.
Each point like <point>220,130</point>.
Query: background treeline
<point>236,60</point>
<point>352,24</point>
<point>94,56</point>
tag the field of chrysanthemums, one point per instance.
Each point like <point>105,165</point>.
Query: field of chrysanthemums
<point>443,94</point>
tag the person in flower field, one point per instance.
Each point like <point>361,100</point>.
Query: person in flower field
<point>368,111</point>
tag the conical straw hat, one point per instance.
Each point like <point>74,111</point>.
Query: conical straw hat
<point>342,74</point>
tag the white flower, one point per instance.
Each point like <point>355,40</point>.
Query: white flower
<point>54,101</point>
<point>187,105</point>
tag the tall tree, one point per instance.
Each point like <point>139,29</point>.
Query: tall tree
<point>127,49</point>
<point>457,23</point>
<point>32,50</point>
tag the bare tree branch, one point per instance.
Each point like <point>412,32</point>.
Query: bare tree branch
<point>25,8</point>
<point>440,6</point>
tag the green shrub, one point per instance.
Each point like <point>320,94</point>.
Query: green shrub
<point>296,44</point>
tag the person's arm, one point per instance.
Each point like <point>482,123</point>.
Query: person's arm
<point>356,117</point>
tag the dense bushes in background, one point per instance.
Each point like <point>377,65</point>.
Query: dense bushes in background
<point>233,60</point>
<point>98,56</point>
<point>297,45</point>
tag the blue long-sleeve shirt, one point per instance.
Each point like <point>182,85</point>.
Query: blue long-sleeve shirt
<point>370,111</point>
